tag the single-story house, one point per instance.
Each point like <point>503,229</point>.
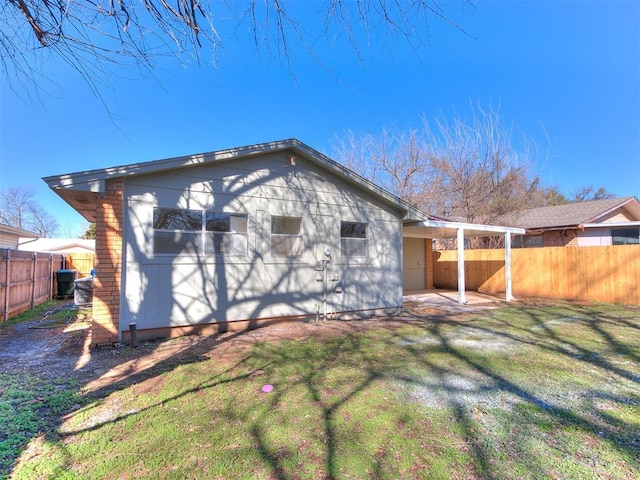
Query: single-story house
<point>613,221</point>
<point>10,236</point>
<point>58,245</point>
<point>228,240</point>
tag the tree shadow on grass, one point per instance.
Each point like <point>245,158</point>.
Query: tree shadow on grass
<point>583,414</point>
<point>334,374</point>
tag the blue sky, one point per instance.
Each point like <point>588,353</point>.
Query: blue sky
<point>567,74</point>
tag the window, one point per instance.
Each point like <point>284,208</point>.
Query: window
<point>286,236</point>
<point>353,239</point>
<point>527,241</point>
<point>176,230</point>
<point>195,231</point>
<point>625,236</point>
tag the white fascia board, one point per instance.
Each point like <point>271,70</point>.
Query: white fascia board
<point>82,182</point>
<point>612,224</point>
<point>477,229</point>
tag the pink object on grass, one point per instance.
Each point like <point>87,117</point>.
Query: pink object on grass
<point>267,388</point>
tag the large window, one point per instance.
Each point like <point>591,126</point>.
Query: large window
<point>196,231</point>
<point>353,239</point>
<point>286,236</point>
<point>625,236</point>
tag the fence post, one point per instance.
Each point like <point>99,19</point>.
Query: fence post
<point>5,313</point>
<point>33,279</point>
<point>50,276</point>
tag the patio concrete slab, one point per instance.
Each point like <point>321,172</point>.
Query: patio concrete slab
<point>448,300</point>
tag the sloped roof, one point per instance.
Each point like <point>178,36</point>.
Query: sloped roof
<point>571,214</point>
<point>81,189</point>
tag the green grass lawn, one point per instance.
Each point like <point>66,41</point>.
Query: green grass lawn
<point>517,392</point>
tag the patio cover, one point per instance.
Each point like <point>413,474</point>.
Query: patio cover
<point>460,231</point>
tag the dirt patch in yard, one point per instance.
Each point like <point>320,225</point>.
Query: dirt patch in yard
<point>53,348</point>
<point>57,348</point>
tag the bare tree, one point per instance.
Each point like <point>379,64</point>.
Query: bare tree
<point>465,170</point>
<point>480,176</point>
<point>19,208</point>
<point>92,36</point>
<point>397,161</point>
<point>584,194</point>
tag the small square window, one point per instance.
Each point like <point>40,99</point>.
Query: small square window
<point>353,239</point>
<point>226,234</point>
<point>286,236</point>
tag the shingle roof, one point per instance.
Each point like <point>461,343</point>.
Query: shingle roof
<point>567,215</point>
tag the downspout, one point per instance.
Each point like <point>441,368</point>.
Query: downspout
<point>28,241</point>
<point>326,262</point>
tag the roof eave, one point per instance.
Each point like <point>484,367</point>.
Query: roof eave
<point>81,189</point>
<point>18,232</point>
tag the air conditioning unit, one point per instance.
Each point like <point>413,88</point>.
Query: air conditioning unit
<point>83,291</point>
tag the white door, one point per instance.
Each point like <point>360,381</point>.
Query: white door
<point>414,269</point>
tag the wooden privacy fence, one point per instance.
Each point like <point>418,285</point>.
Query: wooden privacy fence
<point>599,274</point>
<point>28,278</point>
<point>82,263</point>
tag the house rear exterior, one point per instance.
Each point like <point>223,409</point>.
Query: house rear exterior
<point>229,240</point>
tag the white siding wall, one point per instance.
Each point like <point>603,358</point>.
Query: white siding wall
<point>616,216</point>
<point>594,237</point>
<point>172,290</point>
<point>8,241</point>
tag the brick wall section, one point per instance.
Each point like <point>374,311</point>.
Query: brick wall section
<point>108,269</point>
<point>557,238</point>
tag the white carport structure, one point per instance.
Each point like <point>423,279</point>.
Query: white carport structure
<point>440,229</point>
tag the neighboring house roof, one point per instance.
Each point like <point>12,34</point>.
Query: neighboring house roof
<point>573,215</point>
<point>82,189</point>
<point>9,236</point>
<point>17,232</point>
<point>58,245</point>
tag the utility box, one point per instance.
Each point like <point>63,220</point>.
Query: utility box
<point>83,291</point>
<point>65,279</point>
